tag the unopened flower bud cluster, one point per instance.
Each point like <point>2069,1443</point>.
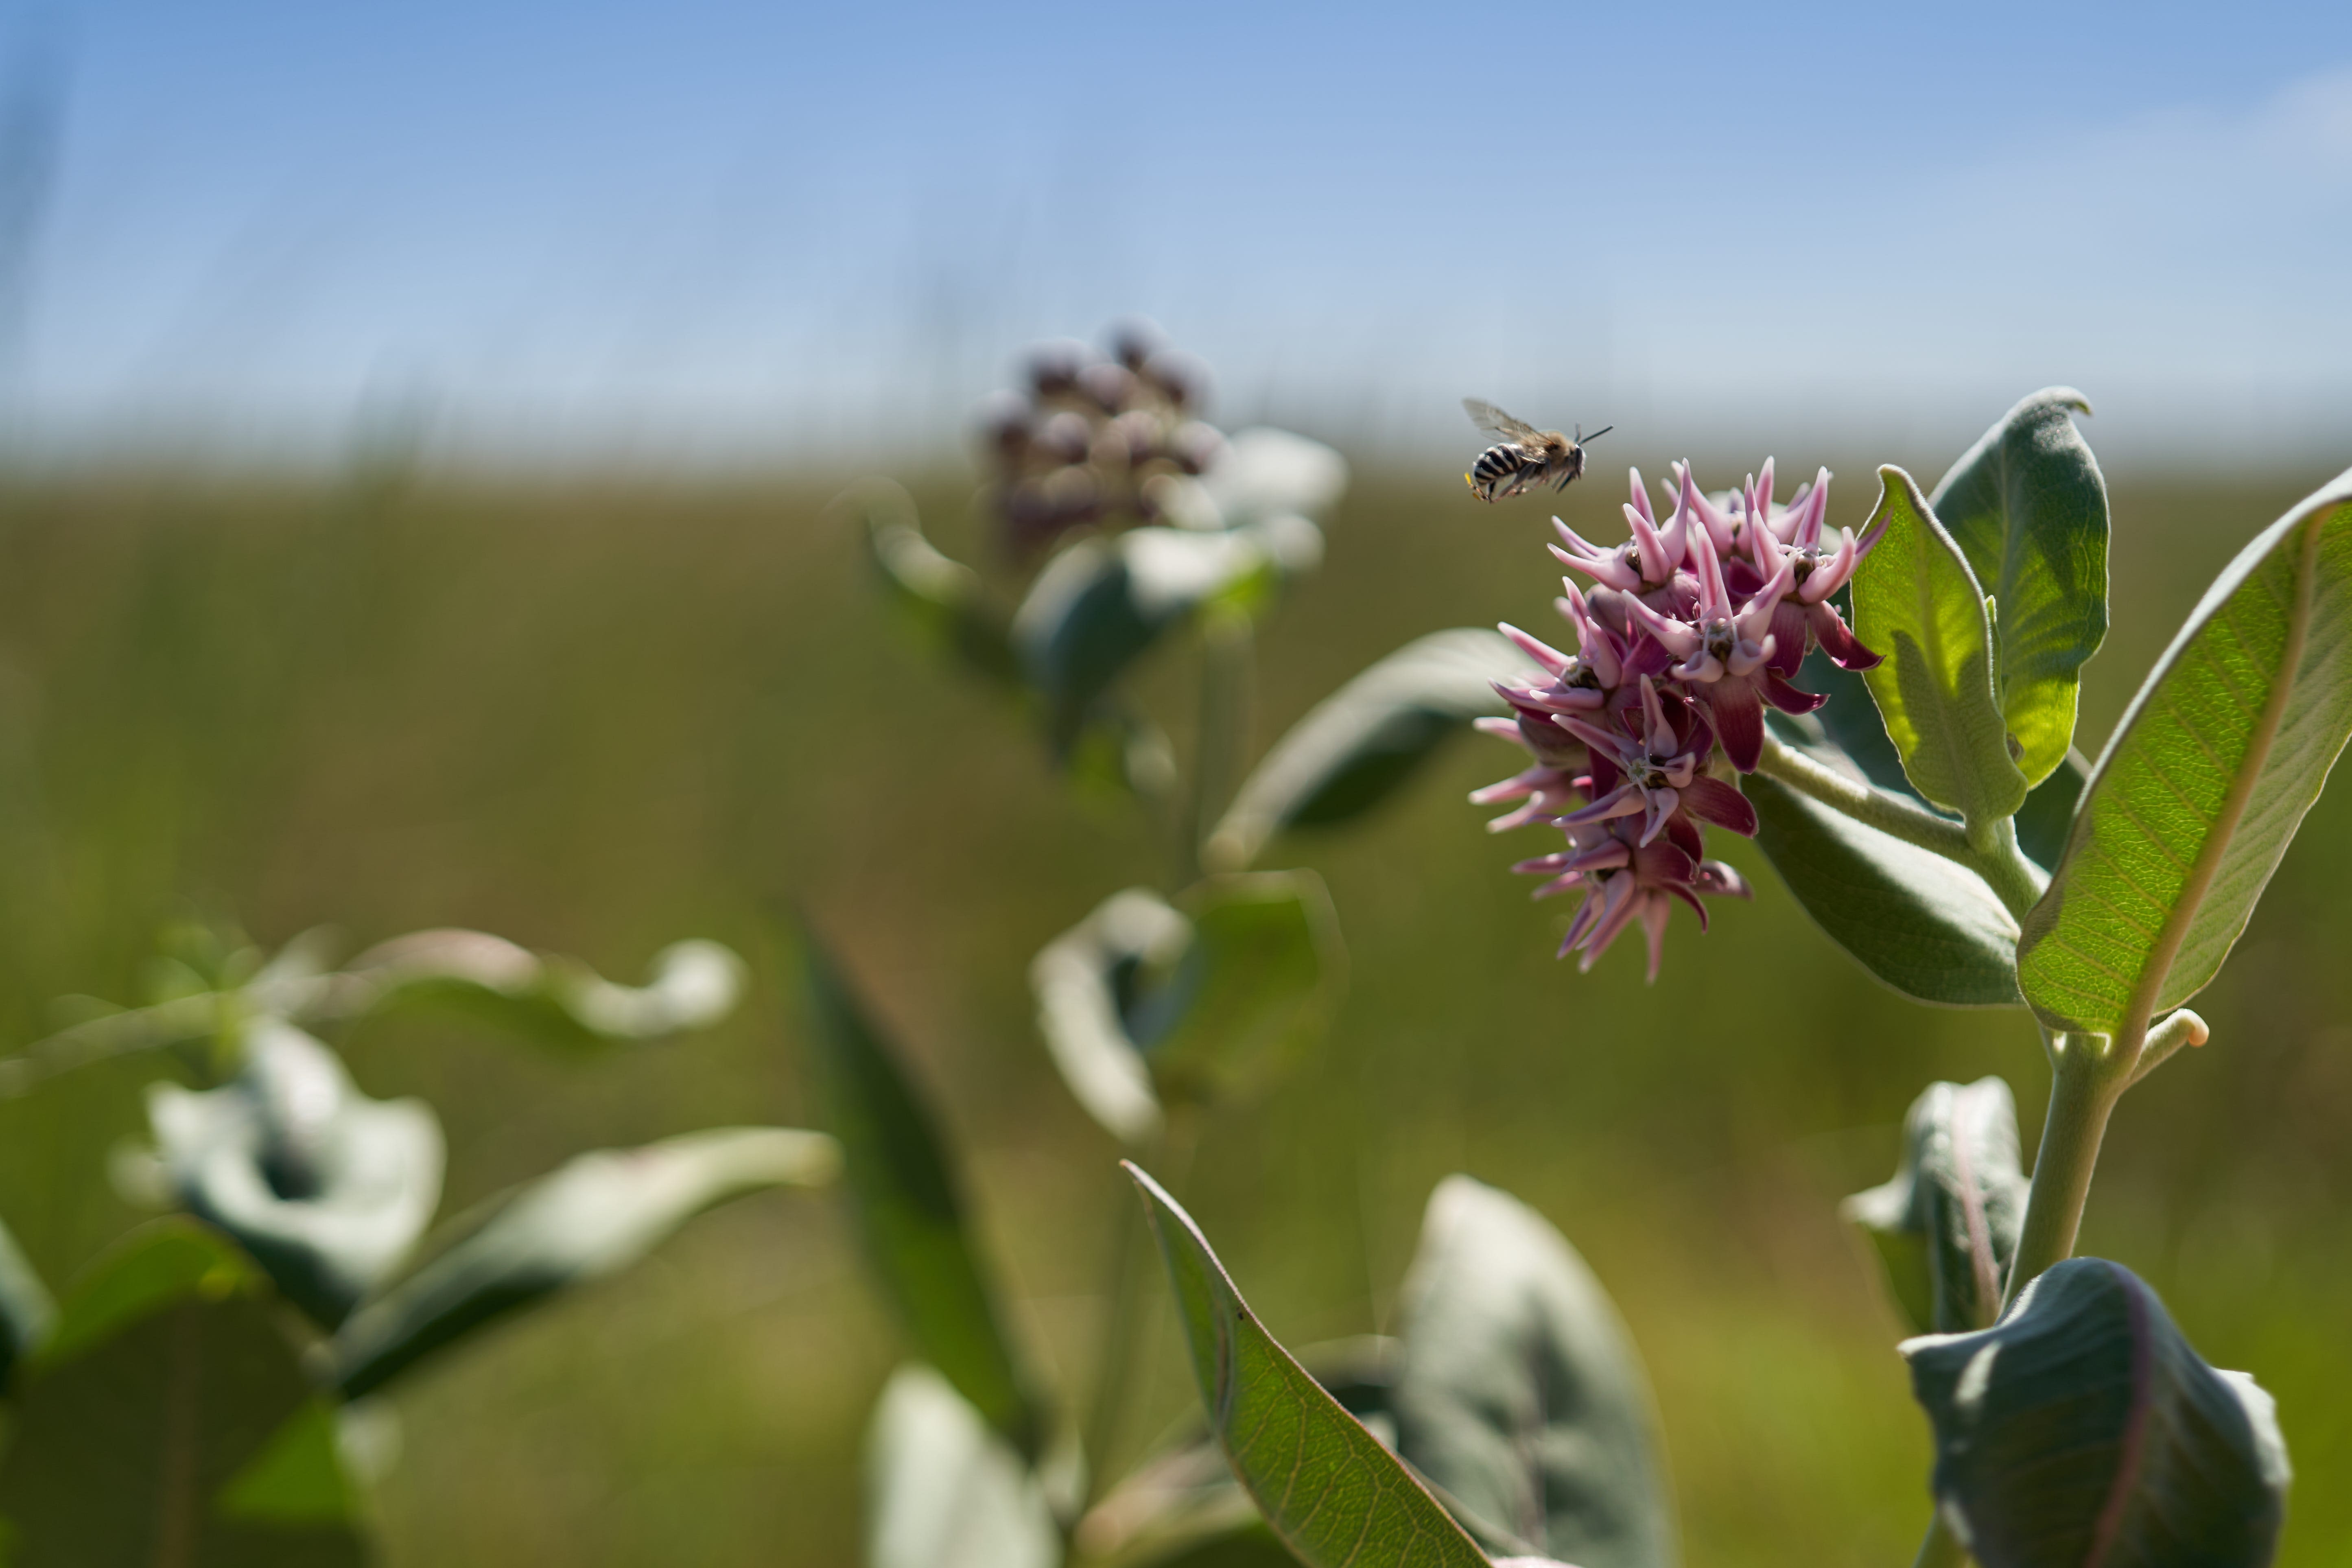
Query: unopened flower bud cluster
<point>1095,440</point>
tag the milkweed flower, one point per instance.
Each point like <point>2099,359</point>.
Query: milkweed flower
<point>1685,634</point>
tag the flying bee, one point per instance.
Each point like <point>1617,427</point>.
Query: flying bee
<point>1524,457</point>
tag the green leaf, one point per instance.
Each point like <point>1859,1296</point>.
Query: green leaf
<point>2204,783</point>
<point>592,1216</point>
<point>326,1188</point>
<point>1520,1393</point>
<point>1326,1485</point>
<point>1916,602</point>
<point>1360,744</point>
<point>1145,1006</point>
<point>941,600</point>
<point>944,1490</point>
<point>1924,925</point>
<point>1084,981</point>
<point>1946,1226</point>
<point>2048,814</point>
<point>909,1209</point>
<point>2028,507</point>
<point>2084,1430</point>
<point>1255,987</point>
<point>692,984</point>
<point>1850,720</point>
<point>1183,1508</point>
<point>1101,604</point>
<point>169,1421</point>
<point>27,1310</point>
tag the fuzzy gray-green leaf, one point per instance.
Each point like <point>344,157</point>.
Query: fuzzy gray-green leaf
<point>1520,1393</point>
<point>2204,783</point>
<point>590,1218</point>
<point>1917,921</point>
<point>1101,605</point>
<point>944,1490</point>
<point>1946,1226</point>
<point>1144,1005</point>
<point>326,1188</point>
<point>2082,1431</point>
<point>1359,745</point>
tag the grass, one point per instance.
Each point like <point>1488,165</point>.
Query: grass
<point>598,717</point>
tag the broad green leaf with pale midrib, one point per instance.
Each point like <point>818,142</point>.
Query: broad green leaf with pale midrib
<point>1917,602</point>
<point>1336,1497</point>
<point>2204,783</point>
<point>2083,1429</point>
<point>2028,507</point>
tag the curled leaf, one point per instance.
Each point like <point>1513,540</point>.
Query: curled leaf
<point>2028,507</point>
<point>943,1489</point>
<point>1101,605</point>
<point>326,1188</point>
<point>942,600</point>
<point>692,984</point>
<point>591,1217</point>
<point>2082,1431</point>
<point>1146,1006</point>
<point>1946,1226</point>
<point>1359,745</point>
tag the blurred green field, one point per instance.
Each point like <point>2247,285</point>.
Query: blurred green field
<point>598,716</point>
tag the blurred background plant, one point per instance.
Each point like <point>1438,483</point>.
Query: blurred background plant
<point>170,1408</point>
<point>312,701</point>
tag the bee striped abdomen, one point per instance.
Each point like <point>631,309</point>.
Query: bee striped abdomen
<point>1495,466</point>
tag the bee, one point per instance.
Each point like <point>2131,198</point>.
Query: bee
<point>1524,457</point>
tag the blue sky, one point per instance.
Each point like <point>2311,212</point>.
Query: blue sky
<point>703,230</point>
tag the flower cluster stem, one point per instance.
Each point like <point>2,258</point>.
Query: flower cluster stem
<point>2014,880</point>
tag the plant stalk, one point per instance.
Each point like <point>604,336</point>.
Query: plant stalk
<point>2088,1073</point>
<point>2014,880</point>
<point>1131,1267</point>
<point>1227,653</point>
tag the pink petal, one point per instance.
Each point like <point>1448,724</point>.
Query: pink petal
<point>1739,723</point>
<point>1712,800</point>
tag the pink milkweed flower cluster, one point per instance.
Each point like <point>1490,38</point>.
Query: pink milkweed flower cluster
<point>1683,635</point>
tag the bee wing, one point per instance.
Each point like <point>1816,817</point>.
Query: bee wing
<point>1486,416</point>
